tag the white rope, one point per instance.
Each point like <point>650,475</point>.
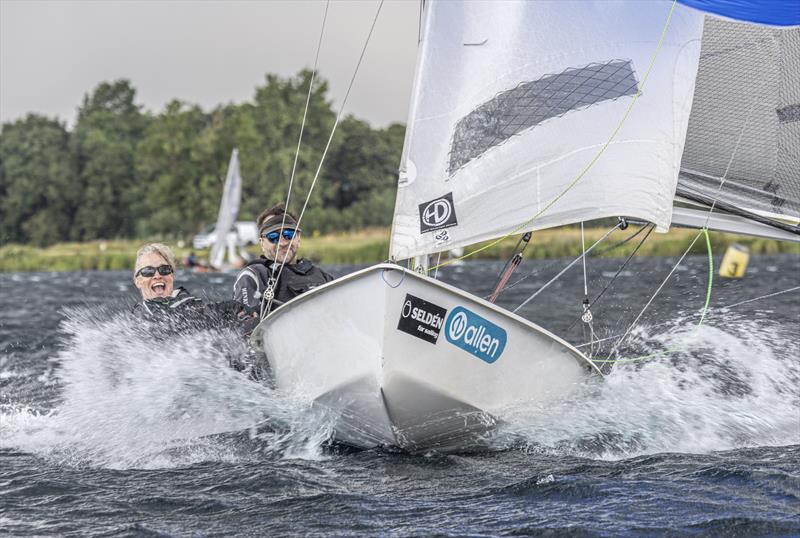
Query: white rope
<point>341,110</point>
<point>273,283</point>
<point>330,137</point>
<point>759,298</point>
<point>573,262</point>
<point>652,297</point>
<point>727,307</point>
<point>305,114</point>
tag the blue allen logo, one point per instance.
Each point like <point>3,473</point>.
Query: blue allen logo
<point>475,335</point>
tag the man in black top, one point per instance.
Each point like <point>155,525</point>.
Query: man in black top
<point>280,241</point>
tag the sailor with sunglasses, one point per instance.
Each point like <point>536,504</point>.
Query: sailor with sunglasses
<point>154,275</point>
<point>174,310</point>
<point>280,241</point>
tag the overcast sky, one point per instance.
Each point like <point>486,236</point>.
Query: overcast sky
<point>202,52</point>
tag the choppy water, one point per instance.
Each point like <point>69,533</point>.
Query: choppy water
<point>106,431</point>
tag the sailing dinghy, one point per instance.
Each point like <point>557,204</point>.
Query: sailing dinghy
<point>227,237</point>
<point>524,116</point>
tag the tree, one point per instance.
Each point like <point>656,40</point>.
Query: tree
<point>108,129</point>
<point>277,115</point>
<point>178,172</point>
<point>361,174</point>
<point>37,181</point>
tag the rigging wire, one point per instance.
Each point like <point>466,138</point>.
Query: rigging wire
<point>573,262</point>
<point>734,305</point>
<point>703,231</point>
<point>624,241</point>
<point>330,137</point>
<point>703,311</point>
<point>591,163</point>
<point>296,156</point>
<point>305,111</point>
<point>556,262</point>
<point>650,228</point>
<point>710,310</point>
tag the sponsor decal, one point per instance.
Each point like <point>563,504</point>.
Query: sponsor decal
<point>442,238</point>
<point>474,334</point>
<point>437,214</point>
<point>421,319</point>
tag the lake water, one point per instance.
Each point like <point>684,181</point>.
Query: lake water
<point>105,431</point>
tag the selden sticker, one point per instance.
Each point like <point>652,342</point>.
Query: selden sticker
<point>421,319</point>
<point>437,214</point>
<point>475,335</point>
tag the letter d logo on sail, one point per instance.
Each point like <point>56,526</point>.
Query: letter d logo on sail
<point>475,335</point>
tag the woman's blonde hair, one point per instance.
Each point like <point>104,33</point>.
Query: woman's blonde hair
<point>162,250</point>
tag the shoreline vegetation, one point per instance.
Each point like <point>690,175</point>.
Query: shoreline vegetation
<point>372,245</point>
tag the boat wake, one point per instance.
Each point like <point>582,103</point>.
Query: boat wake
<point>717,388</point>
<point>130,398</point>
<point>133,396</point>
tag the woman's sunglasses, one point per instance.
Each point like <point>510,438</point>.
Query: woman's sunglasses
<point>274,237</point>
<point>149,271</point>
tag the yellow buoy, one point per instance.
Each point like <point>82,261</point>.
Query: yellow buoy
<point>734,263</point>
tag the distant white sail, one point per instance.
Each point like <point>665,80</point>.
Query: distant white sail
<point>228,211</point>
<point>512,101</point>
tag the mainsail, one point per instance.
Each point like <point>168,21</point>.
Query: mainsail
<point>228,211</point>
<point>528,115</point>
<point>742,153</point>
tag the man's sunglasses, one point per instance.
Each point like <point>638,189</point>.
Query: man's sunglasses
<point>149,271</point>
<point>274,237</point>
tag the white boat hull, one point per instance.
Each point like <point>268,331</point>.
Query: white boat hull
<point>403,360</point>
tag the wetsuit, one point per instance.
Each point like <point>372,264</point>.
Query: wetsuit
<point>295,279</point>
<point>179,301</point>
<point>182,312</point>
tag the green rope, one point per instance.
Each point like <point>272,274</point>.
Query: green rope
<point>583,172</point>
<point>703,312</point>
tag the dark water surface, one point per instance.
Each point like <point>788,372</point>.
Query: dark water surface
<point>106,431</point>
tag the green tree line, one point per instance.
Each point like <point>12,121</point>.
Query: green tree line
<point>122,172</point>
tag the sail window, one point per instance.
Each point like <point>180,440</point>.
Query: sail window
<point>789,113</point>
<point>531,103</point>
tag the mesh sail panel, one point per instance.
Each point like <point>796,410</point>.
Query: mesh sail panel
<point>743,143</point>
<point>532,103</point>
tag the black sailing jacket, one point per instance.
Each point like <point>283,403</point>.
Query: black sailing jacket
<point>295,279</point>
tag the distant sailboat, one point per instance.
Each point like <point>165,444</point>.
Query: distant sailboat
<point>523,118</point>
<point>227,238</point>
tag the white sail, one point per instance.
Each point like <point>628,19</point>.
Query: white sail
<point>513,101</point>
<point>228,211</point>
<point>724,222</point>
<point>742,151</point>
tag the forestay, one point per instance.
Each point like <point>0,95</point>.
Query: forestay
<point>513,101</point>
<point>228,210</point>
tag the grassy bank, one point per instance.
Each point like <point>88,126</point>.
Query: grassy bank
<point>370,246</point>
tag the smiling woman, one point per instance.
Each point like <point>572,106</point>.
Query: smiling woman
<point>154,275</point>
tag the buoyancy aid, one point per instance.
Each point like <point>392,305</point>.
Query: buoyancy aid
<point>295,279</point>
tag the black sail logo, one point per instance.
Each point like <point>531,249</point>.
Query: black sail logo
<point>421,318</point>
<point>437,214</point>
